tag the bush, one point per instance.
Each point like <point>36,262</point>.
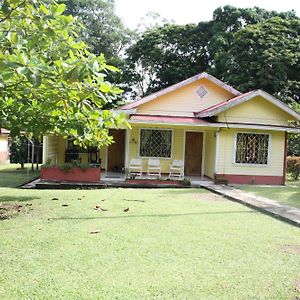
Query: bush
<point>293,166</point>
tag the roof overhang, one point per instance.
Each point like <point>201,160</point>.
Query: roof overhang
<point>188,121</point>
<point>209,112</point>
<point>179,85</point>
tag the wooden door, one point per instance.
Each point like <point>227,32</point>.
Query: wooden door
<point>116,151</point>
<point>193,153</point>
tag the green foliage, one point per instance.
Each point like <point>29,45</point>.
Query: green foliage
<point>18,150</point>
<point>267,56</point>
<point>103,30</point>
<point>50,82</point>
<point>293,166</point>
<point>248,48</point>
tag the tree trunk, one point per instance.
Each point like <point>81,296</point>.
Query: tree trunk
<point>32,155</point>
<point>37,155</point>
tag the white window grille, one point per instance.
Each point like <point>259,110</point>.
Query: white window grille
<point>201,91</point>
<point>252,148</point>
<point>155,143</point>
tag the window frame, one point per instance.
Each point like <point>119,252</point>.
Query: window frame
<point>160,129</point>
<point>249,164</point>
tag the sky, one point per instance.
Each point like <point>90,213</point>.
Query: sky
<point>190,11</point>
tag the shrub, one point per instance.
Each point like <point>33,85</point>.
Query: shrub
<point>293,166</point>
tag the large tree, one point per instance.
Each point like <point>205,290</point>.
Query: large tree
<point>171,53</point>
<point>50,82</point>
<point>267,56</point>
<point>103,30</point>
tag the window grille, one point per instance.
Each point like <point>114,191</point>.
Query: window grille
<point>252,148</point>
<point>155,143</point>
<point>201,91</point>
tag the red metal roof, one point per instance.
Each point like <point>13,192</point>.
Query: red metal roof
<point>168,119</point>
<point>211,108</point>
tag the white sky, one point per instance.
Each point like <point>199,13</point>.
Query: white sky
<point>191,11</point>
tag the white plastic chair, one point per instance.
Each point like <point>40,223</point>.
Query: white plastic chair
<point>135,167</point>
<point>176,169</point>
<point>154,167</point>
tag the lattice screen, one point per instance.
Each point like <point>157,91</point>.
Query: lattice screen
<point>252,148</point>
<point>155,143</point>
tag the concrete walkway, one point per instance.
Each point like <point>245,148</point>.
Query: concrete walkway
<point>280,211</point>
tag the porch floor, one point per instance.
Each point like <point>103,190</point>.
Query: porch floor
<point>116,179</point>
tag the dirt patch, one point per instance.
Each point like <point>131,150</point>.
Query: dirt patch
<point>297,285</point>
<point>9,210</point>
<point>294,249</point>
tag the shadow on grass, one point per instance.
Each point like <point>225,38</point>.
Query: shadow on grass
<point>185,190</point>
<point>17,199</point>
<point>154,216</point>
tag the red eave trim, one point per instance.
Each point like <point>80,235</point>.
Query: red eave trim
<point>167,119</point>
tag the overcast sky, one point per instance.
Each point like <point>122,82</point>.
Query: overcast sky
<point>190,11</point>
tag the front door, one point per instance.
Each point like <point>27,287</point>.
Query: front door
<point>116,151</point>
<point>193,153</point>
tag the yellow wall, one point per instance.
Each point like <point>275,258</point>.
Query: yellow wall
<point>55,148</point>
<point>210,153</point>
<point>184,101</point>
<point>256,111</point>
<point>177,146</point>
<point>226,155</point>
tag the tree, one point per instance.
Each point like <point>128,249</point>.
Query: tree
<point>165,55</point>
<point>103,30</point>
<point>171,53</point>
<point>50,82</point>
<point>267,56</point>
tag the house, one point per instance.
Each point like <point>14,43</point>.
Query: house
<point>216,130</point>
<point>4,147</point>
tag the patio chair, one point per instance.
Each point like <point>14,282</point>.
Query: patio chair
<point>135,167</point>
<point>176,169</point>
<point>154,168</point>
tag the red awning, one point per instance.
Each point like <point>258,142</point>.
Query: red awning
<point>167,119</point>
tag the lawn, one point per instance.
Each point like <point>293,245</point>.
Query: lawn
<point>170,244</point>
<point>12,176</point>
<point>289,194</point>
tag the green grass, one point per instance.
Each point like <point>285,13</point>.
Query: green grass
<point>171,244</point>
<point>289,194</point>
<point>12,176</point>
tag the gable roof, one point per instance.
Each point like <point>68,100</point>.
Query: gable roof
<point>223,106</point>
<point>179,85</point>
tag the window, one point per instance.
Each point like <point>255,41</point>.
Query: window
<point>252,148</point>
<point>155,143</point>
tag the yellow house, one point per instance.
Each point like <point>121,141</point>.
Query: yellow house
<point>4,149</point>
<point>213,128</point>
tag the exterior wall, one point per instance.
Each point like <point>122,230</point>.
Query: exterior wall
<point>4,152</point>
<point>178,146</point>
<point>210,153</point>
<point>54,148</point>
<point>184,101</point>
<point>274,168</point>
<point>256,111</point>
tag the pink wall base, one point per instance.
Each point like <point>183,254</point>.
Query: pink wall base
<point>253,179</point>
<point>74,175</point>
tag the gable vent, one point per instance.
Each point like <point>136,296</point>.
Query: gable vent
<point>201,91</point>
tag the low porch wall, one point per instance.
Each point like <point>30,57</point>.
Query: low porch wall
<point>252,179</point>
<point>73,175</point>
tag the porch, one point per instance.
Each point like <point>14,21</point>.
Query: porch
<point>117,179</point>
<point>192,144</point>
